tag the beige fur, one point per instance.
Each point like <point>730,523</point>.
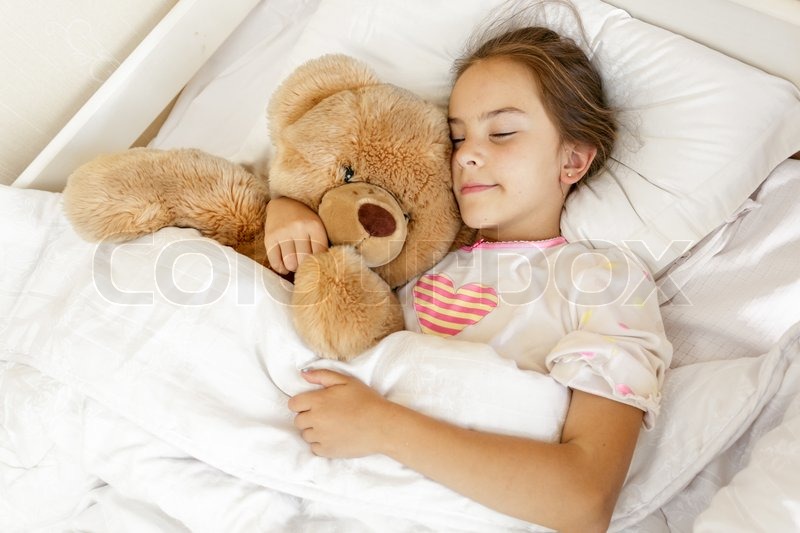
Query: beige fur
<point>388,136</point>
<point>122,196</point>
<point>330,118</point>
<point>336,295</point>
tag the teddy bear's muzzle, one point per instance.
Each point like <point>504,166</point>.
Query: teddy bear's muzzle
<point>365,216</point>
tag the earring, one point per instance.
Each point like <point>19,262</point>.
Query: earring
<point>569,174</point>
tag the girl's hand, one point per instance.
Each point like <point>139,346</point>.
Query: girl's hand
<point>343,419</point>
<point>292,233</point>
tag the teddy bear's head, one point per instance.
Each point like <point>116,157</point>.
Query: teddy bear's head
<point>371,158</point>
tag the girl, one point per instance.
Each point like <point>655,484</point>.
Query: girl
<point>528,121</point>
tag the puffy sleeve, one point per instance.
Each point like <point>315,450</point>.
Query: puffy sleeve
<point>616,346</point>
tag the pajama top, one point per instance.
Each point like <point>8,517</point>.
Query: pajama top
<point>588,318</point>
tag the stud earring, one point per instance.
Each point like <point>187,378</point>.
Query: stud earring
<point>569,174</point>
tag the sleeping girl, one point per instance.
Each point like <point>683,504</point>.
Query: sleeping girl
<point>529,121</point>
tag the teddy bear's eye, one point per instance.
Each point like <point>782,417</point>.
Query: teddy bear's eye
<point>348,174</point>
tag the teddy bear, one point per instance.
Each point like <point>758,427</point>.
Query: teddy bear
<point>371,158</point>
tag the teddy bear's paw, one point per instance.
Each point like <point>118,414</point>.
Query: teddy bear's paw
<point>97,217</point>
<point>341,308</point>
<point>112,197</point>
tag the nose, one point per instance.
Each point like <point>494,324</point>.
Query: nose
<point>468,154</point>
<point>376,220</point>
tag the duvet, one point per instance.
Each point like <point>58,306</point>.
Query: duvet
<point>152,377</point>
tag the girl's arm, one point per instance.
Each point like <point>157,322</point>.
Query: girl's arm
<point>568,486</point>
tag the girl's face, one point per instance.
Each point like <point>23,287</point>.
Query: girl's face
<point>508,158</point>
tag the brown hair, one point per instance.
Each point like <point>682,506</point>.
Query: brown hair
<point>571,88</point>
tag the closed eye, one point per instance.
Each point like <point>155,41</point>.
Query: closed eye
<point>502,135</point>
<point>456,142</point>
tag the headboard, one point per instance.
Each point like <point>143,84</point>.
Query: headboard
<point>114,117</point>
<point>763,33</point>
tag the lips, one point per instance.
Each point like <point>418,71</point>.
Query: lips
<point>473,188</point>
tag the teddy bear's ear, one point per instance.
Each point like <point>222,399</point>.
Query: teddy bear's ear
<point>311,83</point>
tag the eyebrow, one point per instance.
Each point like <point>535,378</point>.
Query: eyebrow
<point>489,114</point>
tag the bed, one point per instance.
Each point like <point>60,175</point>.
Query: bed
<point>141,391</point>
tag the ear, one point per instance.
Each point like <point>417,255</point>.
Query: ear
<point>576,160</point>
<point>325,132</point>
<point>311,83</point>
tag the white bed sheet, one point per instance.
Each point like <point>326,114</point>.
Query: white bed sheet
<point>764,495</point>
<point>733,295</point>
<point>736,292</point>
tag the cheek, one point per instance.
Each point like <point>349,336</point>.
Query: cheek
<point>455,170</point>
<point>537,160</point>
<point>514,162</point>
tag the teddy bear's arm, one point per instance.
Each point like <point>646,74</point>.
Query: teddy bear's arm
<point>341,307</point>
<point>125,195</point>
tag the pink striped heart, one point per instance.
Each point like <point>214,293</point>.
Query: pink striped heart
<point>442,310</point>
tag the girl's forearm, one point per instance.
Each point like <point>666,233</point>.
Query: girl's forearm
<point>569,486</point>
<point>552,484</point>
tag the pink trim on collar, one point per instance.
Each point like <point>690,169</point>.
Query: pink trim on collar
<point>492,245</point>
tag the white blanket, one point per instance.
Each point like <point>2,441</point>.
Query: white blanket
<point>154,376</point>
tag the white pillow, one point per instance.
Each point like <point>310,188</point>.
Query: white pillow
<point>701,130</point>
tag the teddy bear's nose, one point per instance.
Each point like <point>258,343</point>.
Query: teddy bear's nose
<point>377,221</point>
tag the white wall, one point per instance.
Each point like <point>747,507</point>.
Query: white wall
<point>55,54</point>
